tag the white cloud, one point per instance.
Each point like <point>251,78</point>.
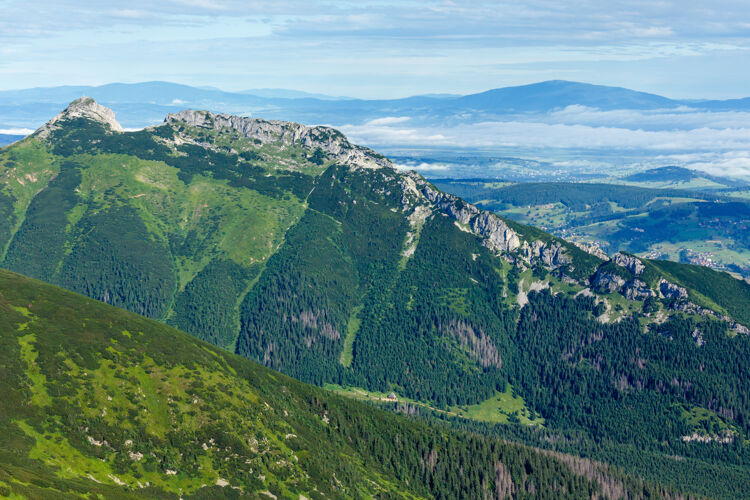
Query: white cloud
<point>424,167</point>
<point>16,131</point>
<point>417,46</point>
<point>494,134</point>
<point>684,118</point>
<point>388,120</point>
<point>728,164</point>
<point>716,150</point>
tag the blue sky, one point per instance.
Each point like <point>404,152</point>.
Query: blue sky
<point>370,49</point>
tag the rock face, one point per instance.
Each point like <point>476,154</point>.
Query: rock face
<point>85,107</point>
<point>329,140</point>
<point>497,235</point>
<point>606,282</point>
<point>637,290</point>
<point>629,262</point>
<point>592,249</point>
<point>550,255</point>
<point>669,290</point>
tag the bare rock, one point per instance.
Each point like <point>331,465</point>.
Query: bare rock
<point>637,290</point>
<point>85,107</point>
<point>606,282</point>
<point>329,140</point>
<point>669,290</point>
<point>592,249</point>
<point>497,235</point>
<point>629,262</point>
<point>551,255</point>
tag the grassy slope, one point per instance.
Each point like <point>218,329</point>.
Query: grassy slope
<point>97,400</point>
<point>204,227</point>
<point>710,288</point>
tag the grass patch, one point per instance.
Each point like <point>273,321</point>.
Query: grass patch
<point>347,354</point>
<point>39,395</point>
<point>504,407</point>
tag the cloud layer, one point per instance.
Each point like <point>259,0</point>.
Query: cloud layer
<point>717,142</point>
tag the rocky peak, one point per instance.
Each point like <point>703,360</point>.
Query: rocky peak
<point>85,107</point>
<point>592,249</point>
<point>629,262</point>
<point>496,234</point>
<point>329,140</point>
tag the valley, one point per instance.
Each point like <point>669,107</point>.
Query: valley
<point>318,258</point>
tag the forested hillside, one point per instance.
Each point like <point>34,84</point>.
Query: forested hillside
<point>293,247</point>
<point>99,401</point>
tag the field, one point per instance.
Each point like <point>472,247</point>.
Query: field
<point>502,408</point>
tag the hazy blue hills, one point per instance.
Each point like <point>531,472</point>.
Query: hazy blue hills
<point>290,94</point>
<point>681,174</point>
<point>6,139</point>
<point>140,104</point>
<point>546,96</point>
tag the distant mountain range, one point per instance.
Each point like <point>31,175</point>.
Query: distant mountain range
<point>141,104</point>
<point>677,175</point>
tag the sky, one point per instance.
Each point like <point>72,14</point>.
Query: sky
<point>386,49</point>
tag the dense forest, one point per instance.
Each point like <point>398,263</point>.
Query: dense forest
<point>100,401</point>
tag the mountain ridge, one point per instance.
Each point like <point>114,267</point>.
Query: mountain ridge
<point>265,239</point>
<point>152,100</point>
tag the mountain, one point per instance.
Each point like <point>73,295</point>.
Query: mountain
<point>557,94</point>
<point>677,177</point>
<point>316,257</point>
<point>6,139</point>
<point>143,104</point>
<point>99,401</point>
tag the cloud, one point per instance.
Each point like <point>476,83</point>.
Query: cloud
<point>727,164</point>
<point>388,120</point>
<point>16,131</point>
<point>424,167</point>
<point>684,118</point>
<point>498,134</point>
<point>377,48</point>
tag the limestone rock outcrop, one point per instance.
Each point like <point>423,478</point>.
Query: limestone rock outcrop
<point>85,107</point>
<point>329,140</point>
<point>629,262</point>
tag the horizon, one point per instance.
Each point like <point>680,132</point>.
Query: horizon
<point>572,133</point>
<point>318,95</point>
<point>379,50</point>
